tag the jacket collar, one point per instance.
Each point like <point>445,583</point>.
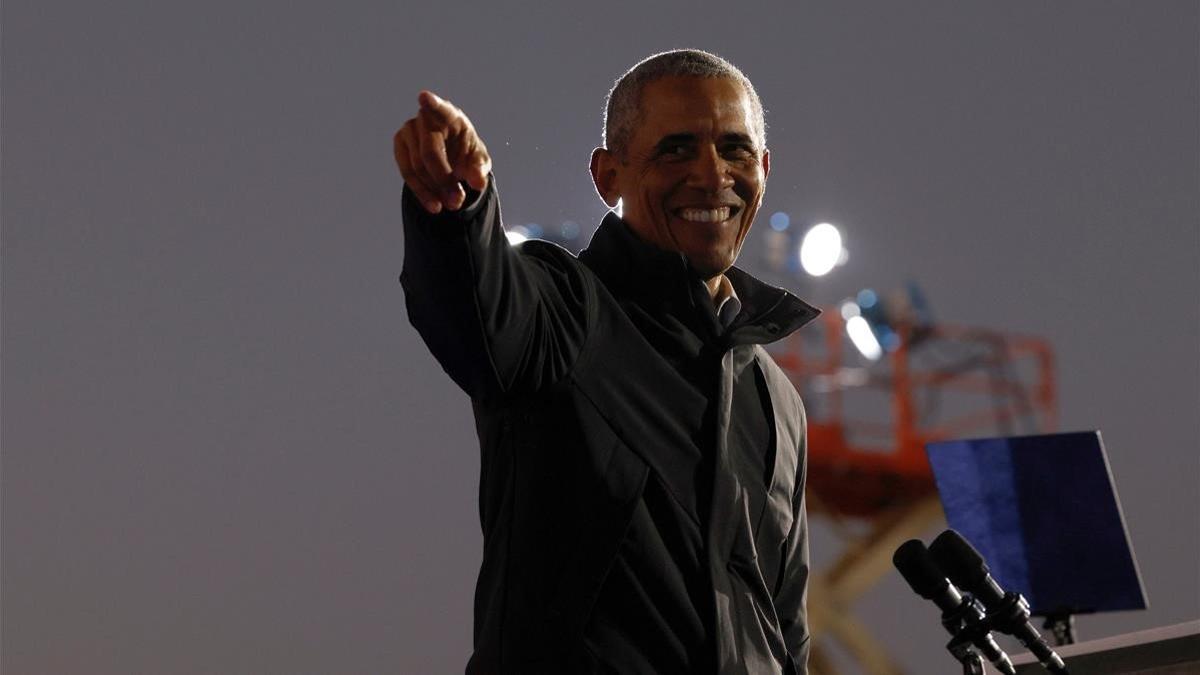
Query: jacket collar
<point>663,281</point>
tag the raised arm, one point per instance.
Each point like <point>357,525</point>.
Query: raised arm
<point>499,320</point>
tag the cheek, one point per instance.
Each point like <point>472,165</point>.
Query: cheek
<point>657,185</point>
<point>753,183</point>
<point>748,217</point>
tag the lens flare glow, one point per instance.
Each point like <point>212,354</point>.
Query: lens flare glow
<point>820,249</point>
<point>863,339</point>
<point>516,235</point>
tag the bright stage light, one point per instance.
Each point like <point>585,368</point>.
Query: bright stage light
<point>863,339</point>
<point>820,249</point>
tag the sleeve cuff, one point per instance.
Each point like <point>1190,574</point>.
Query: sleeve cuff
<point>474,198</point>
<point>472,203</point>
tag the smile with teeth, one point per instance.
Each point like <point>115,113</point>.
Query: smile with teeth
<point>718,215</point>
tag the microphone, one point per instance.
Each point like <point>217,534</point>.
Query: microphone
<point>963,617</point>
<point>1007,612</point>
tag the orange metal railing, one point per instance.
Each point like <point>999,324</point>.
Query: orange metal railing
<point>861,464</point>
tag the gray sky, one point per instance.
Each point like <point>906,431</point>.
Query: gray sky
<point>226,451</point>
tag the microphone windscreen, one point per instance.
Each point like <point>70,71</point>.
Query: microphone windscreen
<point>919,570</point>
<point>961,562</point>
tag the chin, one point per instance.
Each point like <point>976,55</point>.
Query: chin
<point>709,266</point>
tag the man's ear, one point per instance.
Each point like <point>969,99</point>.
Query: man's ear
<point>766,165</point>
<point>604,175</point>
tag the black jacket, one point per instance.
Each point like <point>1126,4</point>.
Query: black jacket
<point>578,370</point>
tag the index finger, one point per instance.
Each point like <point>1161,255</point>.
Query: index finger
<point>440,107</point>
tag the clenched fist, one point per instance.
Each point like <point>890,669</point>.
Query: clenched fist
<point>436,150</point>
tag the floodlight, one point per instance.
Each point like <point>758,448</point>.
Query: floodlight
<point>821,249</point>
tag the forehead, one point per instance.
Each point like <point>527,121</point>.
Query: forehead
<point>694,105</point>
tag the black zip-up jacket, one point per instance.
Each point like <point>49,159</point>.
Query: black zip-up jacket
<point>609,405</point>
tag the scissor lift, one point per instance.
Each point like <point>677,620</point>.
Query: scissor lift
<point>867,430</point>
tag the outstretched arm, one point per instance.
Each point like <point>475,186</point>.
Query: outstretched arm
<point>499,320</point>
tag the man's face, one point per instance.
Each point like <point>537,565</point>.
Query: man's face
<point>693,176</point>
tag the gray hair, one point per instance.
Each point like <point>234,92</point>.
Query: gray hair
<point>623,108</point>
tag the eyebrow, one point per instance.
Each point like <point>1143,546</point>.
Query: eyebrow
<point>685,139</point>
<point>737,137</point>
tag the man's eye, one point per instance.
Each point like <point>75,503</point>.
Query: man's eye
<point>674,150</point>
<point>737,151</point>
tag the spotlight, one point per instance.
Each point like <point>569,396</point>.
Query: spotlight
<point>863,338</point>
<point>874,323</point>
<point>821,249</point>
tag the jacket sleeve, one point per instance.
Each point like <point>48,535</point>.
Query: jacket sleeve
<point>793,589</point>
<point>500,319</point>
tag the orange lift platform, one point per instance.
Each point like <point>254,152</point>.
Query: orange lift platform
<point>868,423</point>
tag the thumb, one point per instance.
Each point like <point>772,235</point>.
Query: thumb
<point>476,173</point>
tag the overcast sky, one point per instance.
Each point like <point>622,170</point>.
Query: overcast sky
<point>226,451</point>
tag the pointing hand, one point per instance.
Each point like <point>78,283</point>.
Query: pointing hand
<point>436,150</point>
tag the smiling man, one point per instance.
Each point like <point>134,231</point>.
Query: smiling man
<point>691,171</point>
<point>643,458</point>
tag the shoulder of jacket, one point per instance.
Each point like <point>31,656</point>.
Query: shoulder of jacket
<point>771,370</point>
<point>778,381</point>
<point>548,250</point>
<point>554,257</point>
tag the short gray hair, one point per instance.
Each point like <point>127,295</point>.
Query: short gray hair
<point>623,108</point>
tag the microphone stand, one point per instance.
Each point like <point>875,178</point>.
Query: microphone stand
<point>969,627</point>
<point>1010,617</point>
<point>972,662</point>
<point>1062,625</point>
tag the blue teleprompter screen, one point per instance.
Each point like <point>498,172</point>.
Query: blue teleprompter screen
<point>1043,511</point>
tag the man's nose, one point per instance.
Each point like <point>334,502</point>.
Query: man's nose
<point>710,172</point>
